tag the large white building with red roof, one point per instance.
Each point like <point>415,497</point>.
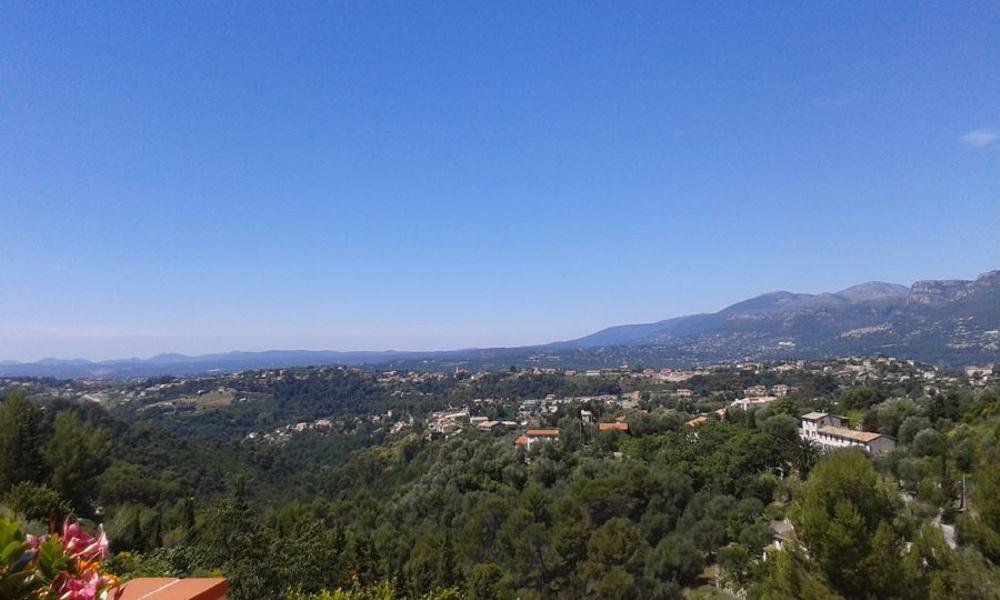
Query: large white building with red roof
<point>830,433</point>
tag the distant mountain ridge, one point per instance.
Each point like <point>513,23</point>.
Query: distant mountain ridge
<point>952,322</point>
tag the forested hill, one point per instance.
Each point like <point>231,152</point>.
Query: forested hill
<point>296,483</point>
<point>952,322</point>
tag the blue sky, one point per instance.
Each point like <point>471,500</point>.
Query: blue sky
<point>209,176</point>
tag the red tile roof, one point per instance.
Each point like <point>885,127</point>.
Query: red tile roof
<point>850,434</point>
<point>542,433</point>
<point>612,427</point>
<point>168,588</point>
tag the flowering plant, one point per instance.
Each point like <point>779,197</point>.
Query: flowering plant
<point>58,566</point>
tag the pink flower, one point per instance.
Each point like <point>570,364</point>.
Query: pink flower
<point>80,544</point>
<point>83,588</point>
<point>34,541</point>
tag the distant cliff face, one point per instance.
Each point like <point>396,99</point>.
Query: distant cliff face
<point>938,293</point>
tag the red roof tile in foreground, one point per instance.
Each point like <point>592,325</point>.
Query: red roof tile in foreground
<point>168,588</point>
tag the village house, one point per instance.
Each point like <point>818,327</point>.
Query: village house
<point>674,376</point>
<point>534,436</point>
<point>979,372</point>
<point>629,401</point>
<point>622,427</point>
<point>753,402</point>
<point>830,433</point>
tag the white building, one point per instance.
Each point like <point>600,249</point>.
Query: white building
<point>979,372</point>
<point>534,436</point>
<point>830,433</point>
<point>753,402</point>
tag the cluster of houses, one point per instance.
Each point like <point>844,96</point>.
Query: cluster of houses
<point>550,404</point>
<point>448,422</point>
<point>394,423</point>
<point>664,375</point>
<point>828,431</point>
<point>531,437</point>
<point>286,431</point>
<point>760,395</point>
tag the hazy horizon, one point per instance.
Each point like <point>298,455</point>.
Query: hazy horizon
<point>149,344</point>
<point>206,178</point>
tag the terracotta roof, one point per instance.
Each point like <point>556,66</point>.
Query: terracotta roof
<point>168,588</point>
<point>696,421</point>
<point>542,433</point>
<point>521,441</point>
<point>850,434</point>
<point>612,427</point>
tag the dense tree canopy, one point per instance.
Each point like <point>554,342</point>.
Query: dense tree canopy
<point>358,511</point>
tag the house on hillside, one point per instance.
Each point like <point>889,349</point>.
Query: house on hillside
<point>830,433</point>
<point>622,427</point>
<point>751,402</point>
<point>812,422</point>
<point>534,436</point>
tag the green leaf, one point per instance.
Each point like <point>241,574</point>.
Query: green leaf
<point>12,551</point>
<point>51,560</point>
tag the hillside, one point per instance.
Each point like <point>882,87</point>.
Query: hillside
<point>335,483</point>
<point>953,322</point>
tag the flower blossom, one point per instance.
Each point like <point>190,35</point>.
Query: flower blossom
<point>83,587</point>
<point>79,544</point>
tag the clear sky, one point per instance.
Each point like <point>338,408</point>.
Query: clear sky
<point>209,176</point>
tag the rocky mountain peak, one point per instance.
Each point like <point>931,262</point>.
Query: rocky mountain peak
<point>873,290</point>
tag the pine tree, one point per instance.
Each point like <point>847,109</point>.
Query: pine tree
<point>21,439</point>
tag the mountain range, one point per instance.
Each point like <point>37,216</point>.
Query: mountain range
<point>947,322</point>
